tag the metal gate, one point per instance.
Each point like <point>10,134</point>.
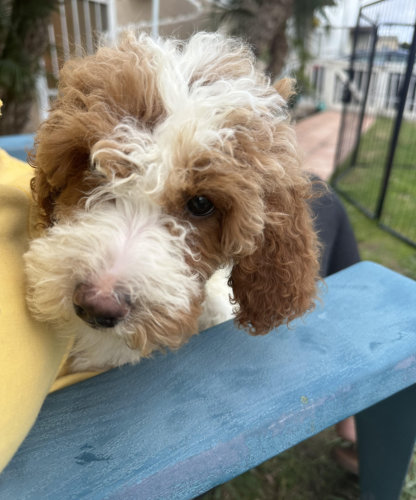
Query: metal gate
<point>376,153</point>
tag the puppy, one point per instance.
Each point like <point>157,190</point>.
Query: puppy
<point>171,195</point>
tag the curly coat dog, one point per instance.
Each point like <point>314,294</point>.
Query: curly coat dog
<point>169,185</point>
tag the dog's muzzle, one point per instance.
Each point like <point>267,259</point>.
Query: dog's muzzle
<point>99,309</point>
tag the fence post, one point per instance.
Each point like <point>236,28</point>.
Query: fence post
<point>397,124</point>
<point>155,18</point>
<point>346,93</point>
<point>367,88</point>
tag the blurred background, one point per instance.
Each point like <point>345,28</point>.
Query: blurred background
<point>308,39</point>
<point>355,115</point>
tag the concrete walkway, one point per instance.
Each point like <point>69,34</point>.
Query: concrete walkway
<point>317,136</point>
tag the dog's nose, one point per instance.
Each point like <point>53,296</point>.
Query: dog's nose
<point>98,309</point>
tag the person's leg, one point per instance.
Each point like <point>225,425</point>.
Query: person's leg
<point>346,429</point>
<point>347,456</point>
<point>339,247</point>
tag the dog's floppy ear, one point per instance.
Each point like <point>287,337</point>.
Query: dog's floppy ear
<point>277,282</point>
<point>286,87</point>
<point>96,93</point>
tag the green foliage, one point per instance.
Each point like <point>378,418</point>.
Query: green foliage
<point>305,20</point>
<point>19,51</point>
<point>17,74</point>
<point>23,41</point>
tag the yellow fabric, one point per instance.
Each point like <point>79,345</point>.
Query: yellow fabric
<point>31,354</point>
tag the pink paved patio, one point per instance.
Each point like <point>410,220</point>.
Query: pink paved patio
<point>317,136</point>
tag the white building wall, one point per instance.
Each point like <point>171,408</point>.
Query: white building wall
<point>332,49</point>
<point>332,39</point>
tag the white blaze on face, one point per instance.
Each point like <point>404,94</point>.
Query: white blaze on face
<point>121,239</point>
<point>199,89</point>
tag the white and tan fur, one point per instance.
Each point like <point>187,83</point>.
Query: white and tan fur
<point>137,131</point>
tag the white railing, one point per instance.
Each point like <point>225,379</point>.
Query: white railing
<point>76,28</point>
<point>382,95</point>
<point>197,9</point>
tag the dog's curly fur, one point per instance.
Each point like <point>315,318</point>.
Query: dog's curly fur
<point>135,133</point>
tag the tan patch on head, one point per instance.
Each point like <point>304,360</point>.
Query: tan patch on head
<point>95,94</point>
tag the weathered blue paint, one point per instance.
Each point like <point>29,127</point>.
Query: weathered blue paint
<point>176,425</point>
<point>17,145</point>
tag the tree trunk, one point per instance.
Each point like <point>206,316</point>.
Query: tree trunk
<point>268,32</point>
<point>15,114</point>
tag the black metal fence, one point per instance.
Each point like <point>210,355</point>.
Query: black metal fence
<point>376,153</point>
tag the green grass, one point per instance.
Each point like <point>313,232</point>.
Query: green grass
<point>362,183</point>
<point>304,472</point>
<point>379,246</point>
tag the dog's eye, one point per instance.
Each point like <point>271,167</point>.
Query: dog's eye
<point>199,206</point>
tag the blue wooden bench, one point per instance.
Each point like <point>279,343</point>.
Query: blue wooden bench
<point>174,426</point>
<point>17,145</point>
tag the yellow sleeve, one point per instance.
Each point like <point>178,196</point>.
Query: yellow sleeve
<point>30,352</point>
